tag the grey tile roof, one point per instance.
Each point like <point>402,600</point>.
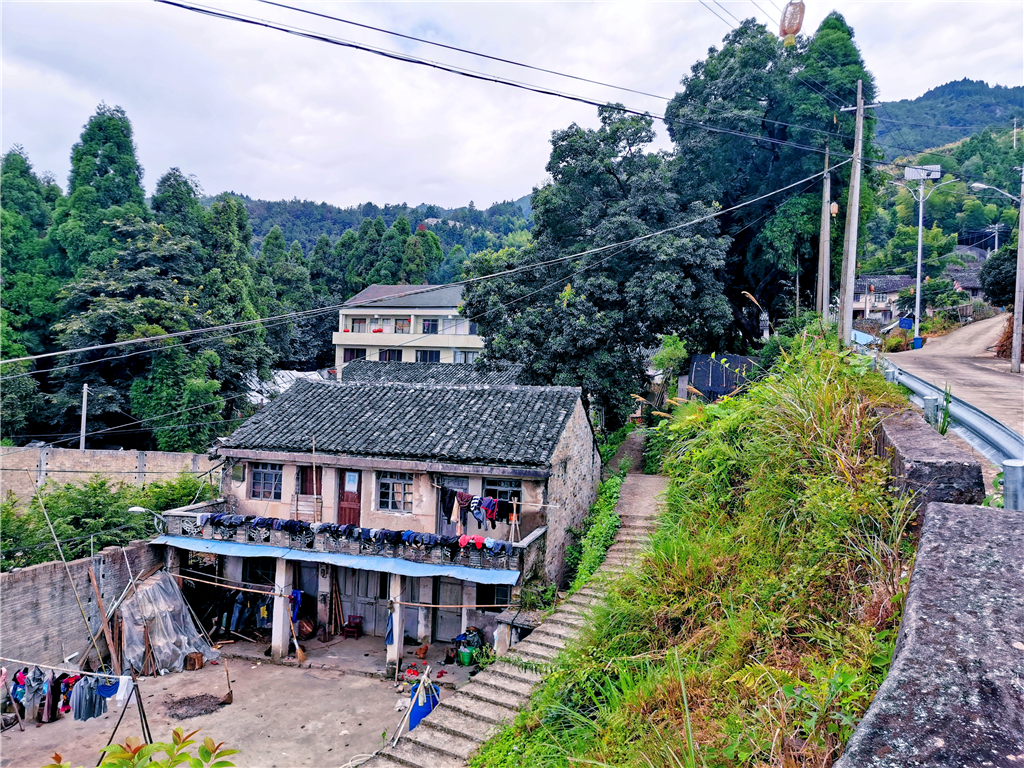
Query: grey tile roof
<point>883,283</point>
<point>390,296</point>
<point>967,279</point>
<point>451,374</point>
<point>503,426</point>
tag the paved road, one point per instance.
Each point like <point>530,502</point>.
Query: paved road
<point>964,361</point>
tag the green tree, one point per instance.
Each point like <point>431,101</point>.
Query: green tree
<point>450,268</point>
<point>176,204</point>
<point>900,256</point>
<point>999,275</point>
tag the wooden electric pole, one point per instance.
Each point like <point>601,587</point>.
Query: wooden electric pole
<point>852,222</point>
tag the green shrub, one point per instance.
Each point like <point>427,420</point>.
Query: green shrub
<point>133,753</point>
<point>590,542</point>
<point>762,616</point>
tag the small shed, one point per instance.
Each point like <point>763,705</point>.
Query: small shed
<point>717,375</point>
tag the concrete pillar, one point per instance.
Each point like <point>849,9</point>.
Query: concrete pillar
<point>233,569</point>
<point>1013,484</point>
<point>394,656</point>
<point>931,409</point>
<point>423,631</point>
<point>329,494</point>
<point>281,629</point>
<point>468,598</point>
<point>172,561</point>
<point>502,639</point>
<point>323,594</point>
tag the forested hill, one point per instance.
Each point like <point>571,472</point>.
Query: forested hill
<point>304,220</point>
<point>946,114</point>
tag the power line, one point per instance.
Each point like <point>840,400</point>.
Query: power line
<point>464,50</point>
<point>726,10</point>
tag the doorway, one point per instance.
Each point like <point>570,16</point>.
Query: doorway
<point>349,493</point>
<point>444,528</point>
<point>447,621</point>
<point>365,593</point>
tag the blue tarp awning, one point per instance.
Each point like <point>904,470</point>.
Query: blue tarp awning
<point>359,562</point>
<point>218,547</point>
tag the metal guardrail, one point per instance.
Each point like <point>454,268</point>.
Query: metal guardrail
<point>991,437</point>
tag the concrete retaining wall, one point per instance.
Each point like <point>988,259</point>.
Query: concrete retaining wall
<point>41,622</point>
<point>954,695</point>
<point>23,470</point>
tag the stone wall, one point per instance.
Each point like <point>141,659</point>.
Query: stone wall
<point>927,464</point>
<point>26,469</point>
<point>953,695</point>
<point>41,621</point>
<point>572,488</point>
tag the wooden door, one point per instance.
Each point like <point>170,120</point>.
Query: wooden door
<point>310,483</point>
<point>447,621</point>
<point>349,495</point>
<point>444,528</point>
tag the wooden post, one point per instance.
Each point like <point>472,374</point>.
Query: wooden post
<point>104,624</point>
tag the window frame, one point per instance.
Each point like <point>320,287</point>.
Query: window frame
<point>463,356</point>
<point>358,325</point>
<point>422,353</point>
<point>259,473</point>
<point>493,594</point>
<point>350,353</point>
<point>403,325</point>
<point>430,323</point>
<point>387,487</point>
<point>389,356</point>
<point>503,488</point>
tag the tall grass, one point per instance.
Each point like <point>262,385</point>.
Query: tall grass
<point>761,619</point>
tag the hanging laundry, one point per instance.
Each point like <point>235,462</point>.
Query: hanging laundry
<point>85,703</point>
<point>465,501</point>
<point>449,498</point>
<point>108,688</point>
<point>505,510</point>
<point>35,690</point>
<point>124,687</point>
<point>477,512</point>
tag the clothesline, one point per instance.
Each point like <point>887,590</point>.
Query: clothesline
<point>104,675</point>
<point>474,605</point>
<point>514,502</point>
<point>228,586</point>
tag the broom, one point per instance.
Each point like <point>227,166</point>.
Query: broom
<point>299,653</point>
<point>229,697</point>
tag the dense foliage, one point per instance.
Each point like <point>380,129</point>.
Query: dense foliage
<point>761,619</point>
<point>88,517</point>
<point>946,114</point>
<point>591,541</point>
<point>99,265</point>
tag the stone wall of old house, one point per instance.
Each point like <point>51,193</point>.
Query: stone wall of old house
<point>24,470</point>
<point>41,621</point>
<point>572,488</point>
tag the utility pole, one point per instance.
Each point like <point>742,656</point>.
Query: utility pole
<point>85,402</point>
<point>1018,292</point>
<point>921,174</point>
<point>824,255</point>
<point>852,222</point>
<point>1015,134</point>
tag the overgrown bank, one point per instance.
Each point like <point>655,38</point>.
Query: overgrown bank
<point>761,621</point>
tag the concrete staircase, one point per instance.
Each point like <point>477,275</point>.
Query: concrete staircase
<point>462,722</point>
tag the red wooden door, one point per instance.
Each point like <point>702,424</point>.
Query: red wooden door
<point>349,496</point>
<point>311,484</point>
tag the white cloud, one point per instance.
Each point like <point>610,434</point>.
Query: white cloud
<point>274,116</point>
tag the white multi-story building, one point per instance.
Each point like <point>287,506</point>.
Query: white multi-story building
<point>380,323</point>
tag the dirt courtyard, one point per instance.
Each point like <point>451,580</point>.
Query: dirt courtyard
<point>281,717</point>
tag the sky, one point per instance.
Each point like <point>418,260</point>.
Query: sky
<point>259,112</point>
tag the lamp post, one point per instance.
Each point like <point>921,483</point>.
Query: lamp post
<point>158,520</point>
<point>1018,291</point>
<point>921,174</point>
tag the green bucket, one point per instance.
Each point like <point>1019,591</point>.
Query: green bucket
<point>466,657</point>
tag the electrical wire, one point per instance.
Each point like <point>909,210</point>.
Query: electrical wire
<point>463,50</point>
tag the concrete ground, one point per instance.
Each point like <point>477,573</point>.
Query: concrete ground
<point>632,448</point>
<point>964,360</point>
<point>365,656</point>
<point>281,717</point>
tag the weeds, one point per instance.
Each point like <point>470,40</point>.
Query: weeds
<point>762,618</point>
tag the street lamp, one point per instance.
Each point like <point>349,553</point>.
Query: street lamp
<point>1018,290</point>
<point>921,174</point>
<point>158,520</point>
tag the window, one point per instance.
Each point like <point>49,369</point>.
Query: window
<point>430,326</point>
<point>493,594</point>
<point>259,570</point>
<point>428,355</point>
<point>510,490</point>
<point>448,325</point>
<point>472,329</point>
<point>358,325</point>
<point>403,326</point>
<point>385,324</point>
<point>394,491</point>
<point>465,357</point>
<point>390,356</point>
<point>266,481</point>
<point>856,297</point>
<point>353,353</point>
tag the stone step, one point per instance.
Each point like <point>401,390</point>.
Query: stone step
<point>545,652</point>
<point>567,619</point>
<point>441,741</point>
<point>542,637</point>
<point>512,672</point>
<point>494,695</point>
<point>481,710</point>
<point>530,657</point>
<point>582,602</point>
<point>517,687</point>
<point>456,723</point>
<point>410,753</point>
<point>561,631</point>
<point>589,591</point>
<point>632,550</point>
